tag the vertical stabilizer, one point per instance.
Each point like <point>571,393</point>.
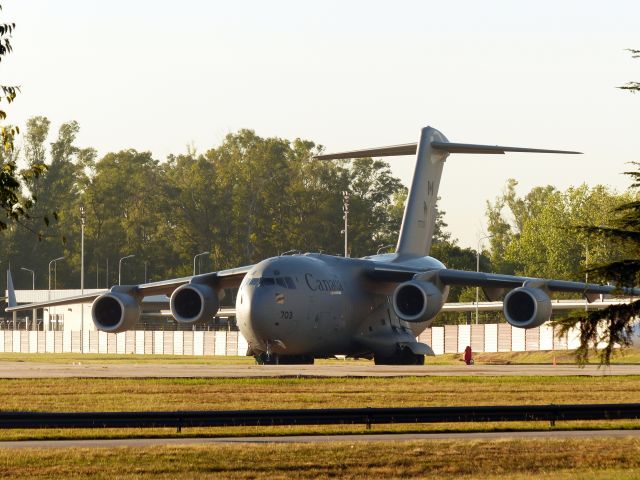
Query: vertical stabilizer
<point>419,217</point>
<point>11,293</point>
<point>419,220</point>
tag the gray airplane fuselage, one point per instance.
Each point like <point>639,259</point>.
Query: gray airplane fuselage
<point>319,305</point>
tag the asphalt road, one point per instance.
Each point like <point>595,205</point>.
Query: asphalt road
<point>399,437</point>
<point>57,370</point>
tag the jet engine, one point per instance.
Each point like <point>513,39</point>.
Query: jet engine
<point>527,307</point>
<point>417,301</point>
<point>194,302</point>
<point>115,312</point>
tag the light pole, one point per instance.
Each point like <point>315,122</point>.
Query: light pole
<point>586,275</point>
<point>83,219</point>
<point>345,209</point>
<point>52,262</point>
<point>478,270</point>
<point>33,276</point>
<point>194,260</point>
<point>120,268</point>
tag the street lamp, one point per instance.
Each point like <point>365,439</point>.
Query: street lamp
<point>478,270</point>
<point>83,219</point>
<point>194,260</point>
<point>52,261</point>
<point>33,276</point>
<point>120,268</point>
<point>345,209</point>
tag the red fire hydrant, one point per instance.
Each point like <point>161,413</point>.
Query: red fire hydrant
<point>468,356</point>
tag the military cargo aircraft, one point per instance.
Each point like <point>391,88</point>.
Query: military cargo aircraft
<point>295,308</point>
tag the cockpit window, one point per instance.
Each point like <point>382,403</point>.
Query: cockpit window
<point>284,282</point>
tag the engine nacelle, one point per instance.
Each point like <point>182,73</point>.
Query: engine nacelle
<point>417,301</point>
<point>194,302</point>
<point>527,307</point>
<point>115,312</point>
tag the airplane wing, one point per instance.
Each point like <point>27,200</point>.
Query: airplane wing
<point>555,305</point>
<point>86,298</point>
<point>222,279</point>
<point>494,285</point>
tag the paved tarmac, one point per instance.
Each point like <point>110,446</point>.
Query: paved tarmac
<point>58,370</point>
<point>399,437</point>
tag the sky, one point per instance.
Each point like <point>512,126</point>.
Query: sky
<point>159,75</point>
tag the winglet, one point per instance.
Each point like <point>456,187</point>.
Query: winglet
<point>11,293</point>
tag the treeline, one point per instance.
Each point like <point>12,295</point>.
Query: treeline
<point>251,198</point>
<point>245,200</point>
<point>539,234</point>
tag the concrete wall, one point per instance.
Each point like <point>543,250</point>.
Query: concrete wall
<point>448,339</point>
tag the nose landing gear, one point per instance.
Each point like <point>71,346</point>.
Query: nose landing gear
<point>265,358</point>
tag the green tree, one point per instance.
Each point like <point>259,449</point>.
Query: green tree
<point>247,199</point>
<point>14,205</point>
<point>615,324</point>
<point>58,187</point>
<point>372,188</point>
<point>124,199</point>
<point>531,236</point>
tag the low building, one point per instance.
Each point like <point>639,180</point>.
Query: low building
<point>156,314</point>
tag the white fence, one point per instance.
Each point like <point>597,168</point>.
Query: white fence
<point>492,337</point>
<point>448,339</point>
<point>139,342</point>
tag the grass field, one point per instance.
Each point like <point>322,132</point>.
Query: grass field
<point>115,394</point>
<point>503,459</point>
<point>507,459</point>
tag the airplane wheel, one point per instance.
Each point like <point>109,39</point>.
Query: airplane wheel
<point>404,357</point>
<point>274,359</point>
<point>296,360</point>
<point>264,359</point>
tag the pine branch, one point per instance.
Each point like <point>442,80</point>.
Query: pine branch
<point>612,327</point>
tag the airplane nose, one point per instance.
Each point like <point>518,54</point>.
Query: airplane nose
<point>262,312</point>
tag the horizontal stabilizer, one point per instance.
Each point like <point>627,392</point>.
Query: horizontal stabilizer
<point>410,149</point>
<point>390,151</point>
<point>495,149</point>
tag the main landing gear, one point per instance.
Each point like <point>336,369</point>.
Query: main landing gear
<point>275,359</point>
<point>402,357</point>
